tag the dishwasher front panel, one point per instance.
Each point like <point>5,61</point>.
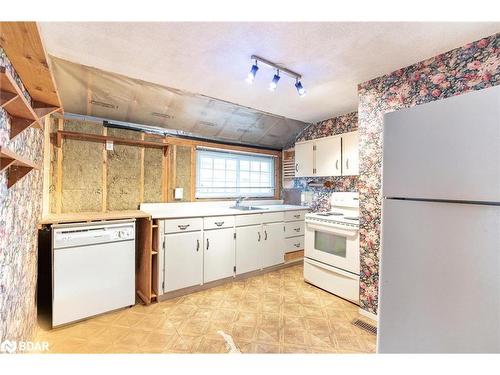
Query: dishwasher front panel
<point>90,280</point>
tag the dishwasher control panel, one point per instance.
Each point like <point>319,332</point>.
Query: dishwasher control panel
<point>93,233</point>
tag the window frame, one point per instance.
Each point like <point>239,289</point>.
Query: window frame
<point>239,156</point>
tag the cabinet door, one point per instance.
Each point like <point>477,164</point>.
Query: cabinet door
<point>328,157</point>
<point>304,159</point>
<point>218,248</point>
<point>273,248</point>
<point>183,260</point>
<point>350,154</point>
<point>248,249</point>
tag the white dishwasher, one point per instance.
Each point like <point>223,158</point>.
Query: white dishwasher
<point>93,269</point>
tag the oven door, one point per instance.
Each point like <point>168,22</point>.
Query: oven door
<point>333,245</point>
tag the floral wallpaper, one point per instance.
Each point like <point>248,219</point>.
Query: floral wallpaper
<point>474,66</point>
<point>20,210</point>
<point>321,196</point>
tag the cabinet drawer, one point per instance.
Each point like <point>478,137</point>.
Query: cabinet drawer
<point>243,220</point>
<point>294,215</point>
<point>294,244</point>
<point>273,217</point>
<point>218,222</point>
<point>183,225</point>
<point>294,228</point>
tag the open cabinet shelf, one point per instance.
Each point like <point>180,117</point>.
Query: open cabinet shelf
<point>22,114</point>
<point>16,166</point>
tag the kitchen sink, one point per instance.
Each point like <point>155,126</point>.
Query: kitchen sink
<point>248,208</point>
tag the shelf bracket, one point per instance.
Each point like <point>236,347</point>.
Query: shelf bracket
<point>43,109</point>
<point>16,173</point>
<point>18,124</point>
<point>7,97</point>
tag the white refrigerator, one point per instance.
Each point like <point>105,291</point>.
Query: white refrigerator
<point>440,249</point>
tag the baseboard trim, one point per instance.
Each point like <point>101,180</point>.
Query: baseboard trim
<point>368,314</point>
<point>213,284</point>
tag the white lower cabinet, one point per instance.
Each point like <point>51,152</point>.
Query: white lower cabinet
<point>218,248</point>
<point>183,260</point>
<point>273,244</point>
<point>248,248</point>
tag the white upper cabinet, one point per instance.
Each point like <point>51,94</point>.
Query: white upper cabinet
<point>337,155</point>
<point>328,157</point>
<point>350,154</point>
<point>304,158</point>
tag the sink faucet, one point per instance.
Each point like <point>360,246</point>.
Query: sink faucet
<point>239,200</point>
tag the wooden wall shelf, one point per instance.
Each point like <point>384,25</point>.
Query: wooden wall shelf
<point>15,104</point>
<point>103,138</point>
<point>16,166</point>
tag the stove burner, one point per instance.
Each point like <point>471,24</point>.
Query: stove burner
<point>351,218</point>
<point>329,214</point>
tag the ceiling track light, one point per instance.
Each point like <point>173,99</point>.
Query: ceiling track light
<point>252,73</point>
<point>300,89</point>
<point>274,83</point>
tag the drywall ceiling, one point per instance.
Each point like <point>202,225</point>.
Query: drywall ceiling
<point>213,58</point>
<point>93,92</point>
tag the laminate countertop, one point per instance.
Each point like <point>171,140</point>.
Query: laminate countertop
<point>93,216</point>
<point>201,211</point>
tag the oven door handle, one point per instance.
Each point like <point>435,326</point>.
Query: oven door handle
<point>333,230</point>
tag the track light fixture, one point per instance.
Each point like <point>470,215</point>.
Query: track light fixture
<point>253,71</point>
<point>274,83</point>
<point>300,89</point>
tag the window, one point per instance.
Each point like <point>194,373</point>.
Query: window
<point>225,174</point>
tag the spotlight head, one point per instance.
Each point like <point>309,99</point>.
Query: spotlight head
<point>300,89</point>
<point>252,73</point>
<point>274,82</point>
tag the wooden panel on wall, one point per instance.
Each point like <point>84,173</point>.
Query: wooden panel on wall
<point>82,176</point>
<point>183,172</point>
<point>153,174</point>
<point>124,174</point>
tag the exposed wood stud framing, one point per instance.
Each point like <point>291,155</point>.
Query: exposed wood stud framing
<point>60,127</point>
<point>104,174</point>
<point>141,182</point>
<point>46,166</point>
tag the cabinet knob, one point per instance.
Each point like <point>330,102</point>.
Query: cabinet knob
<point>208,244</point>
<point>337,164</point>
<point>197,245</point>
<point>347,163</point>
<point>259,236</point>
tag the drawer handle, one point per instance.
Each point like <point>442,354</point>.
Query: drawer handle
<point>296,216</point>
<point>296,229</point>
<point>297,167</point>
<point>337,164</point>
<point>208,244</point>
<point>296,244</point>
<point>219,223</point>
<point>183,227</point>
<point>259,235</point>
<point>347,163</point>
<point>265,235</point>
<point>197,245</point>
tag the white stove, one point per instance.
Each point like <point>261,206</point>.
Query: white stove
<point>332,247</point>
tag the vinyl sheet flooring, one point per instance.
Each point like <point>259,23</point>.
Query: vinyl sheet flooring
<point>272,313</point>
